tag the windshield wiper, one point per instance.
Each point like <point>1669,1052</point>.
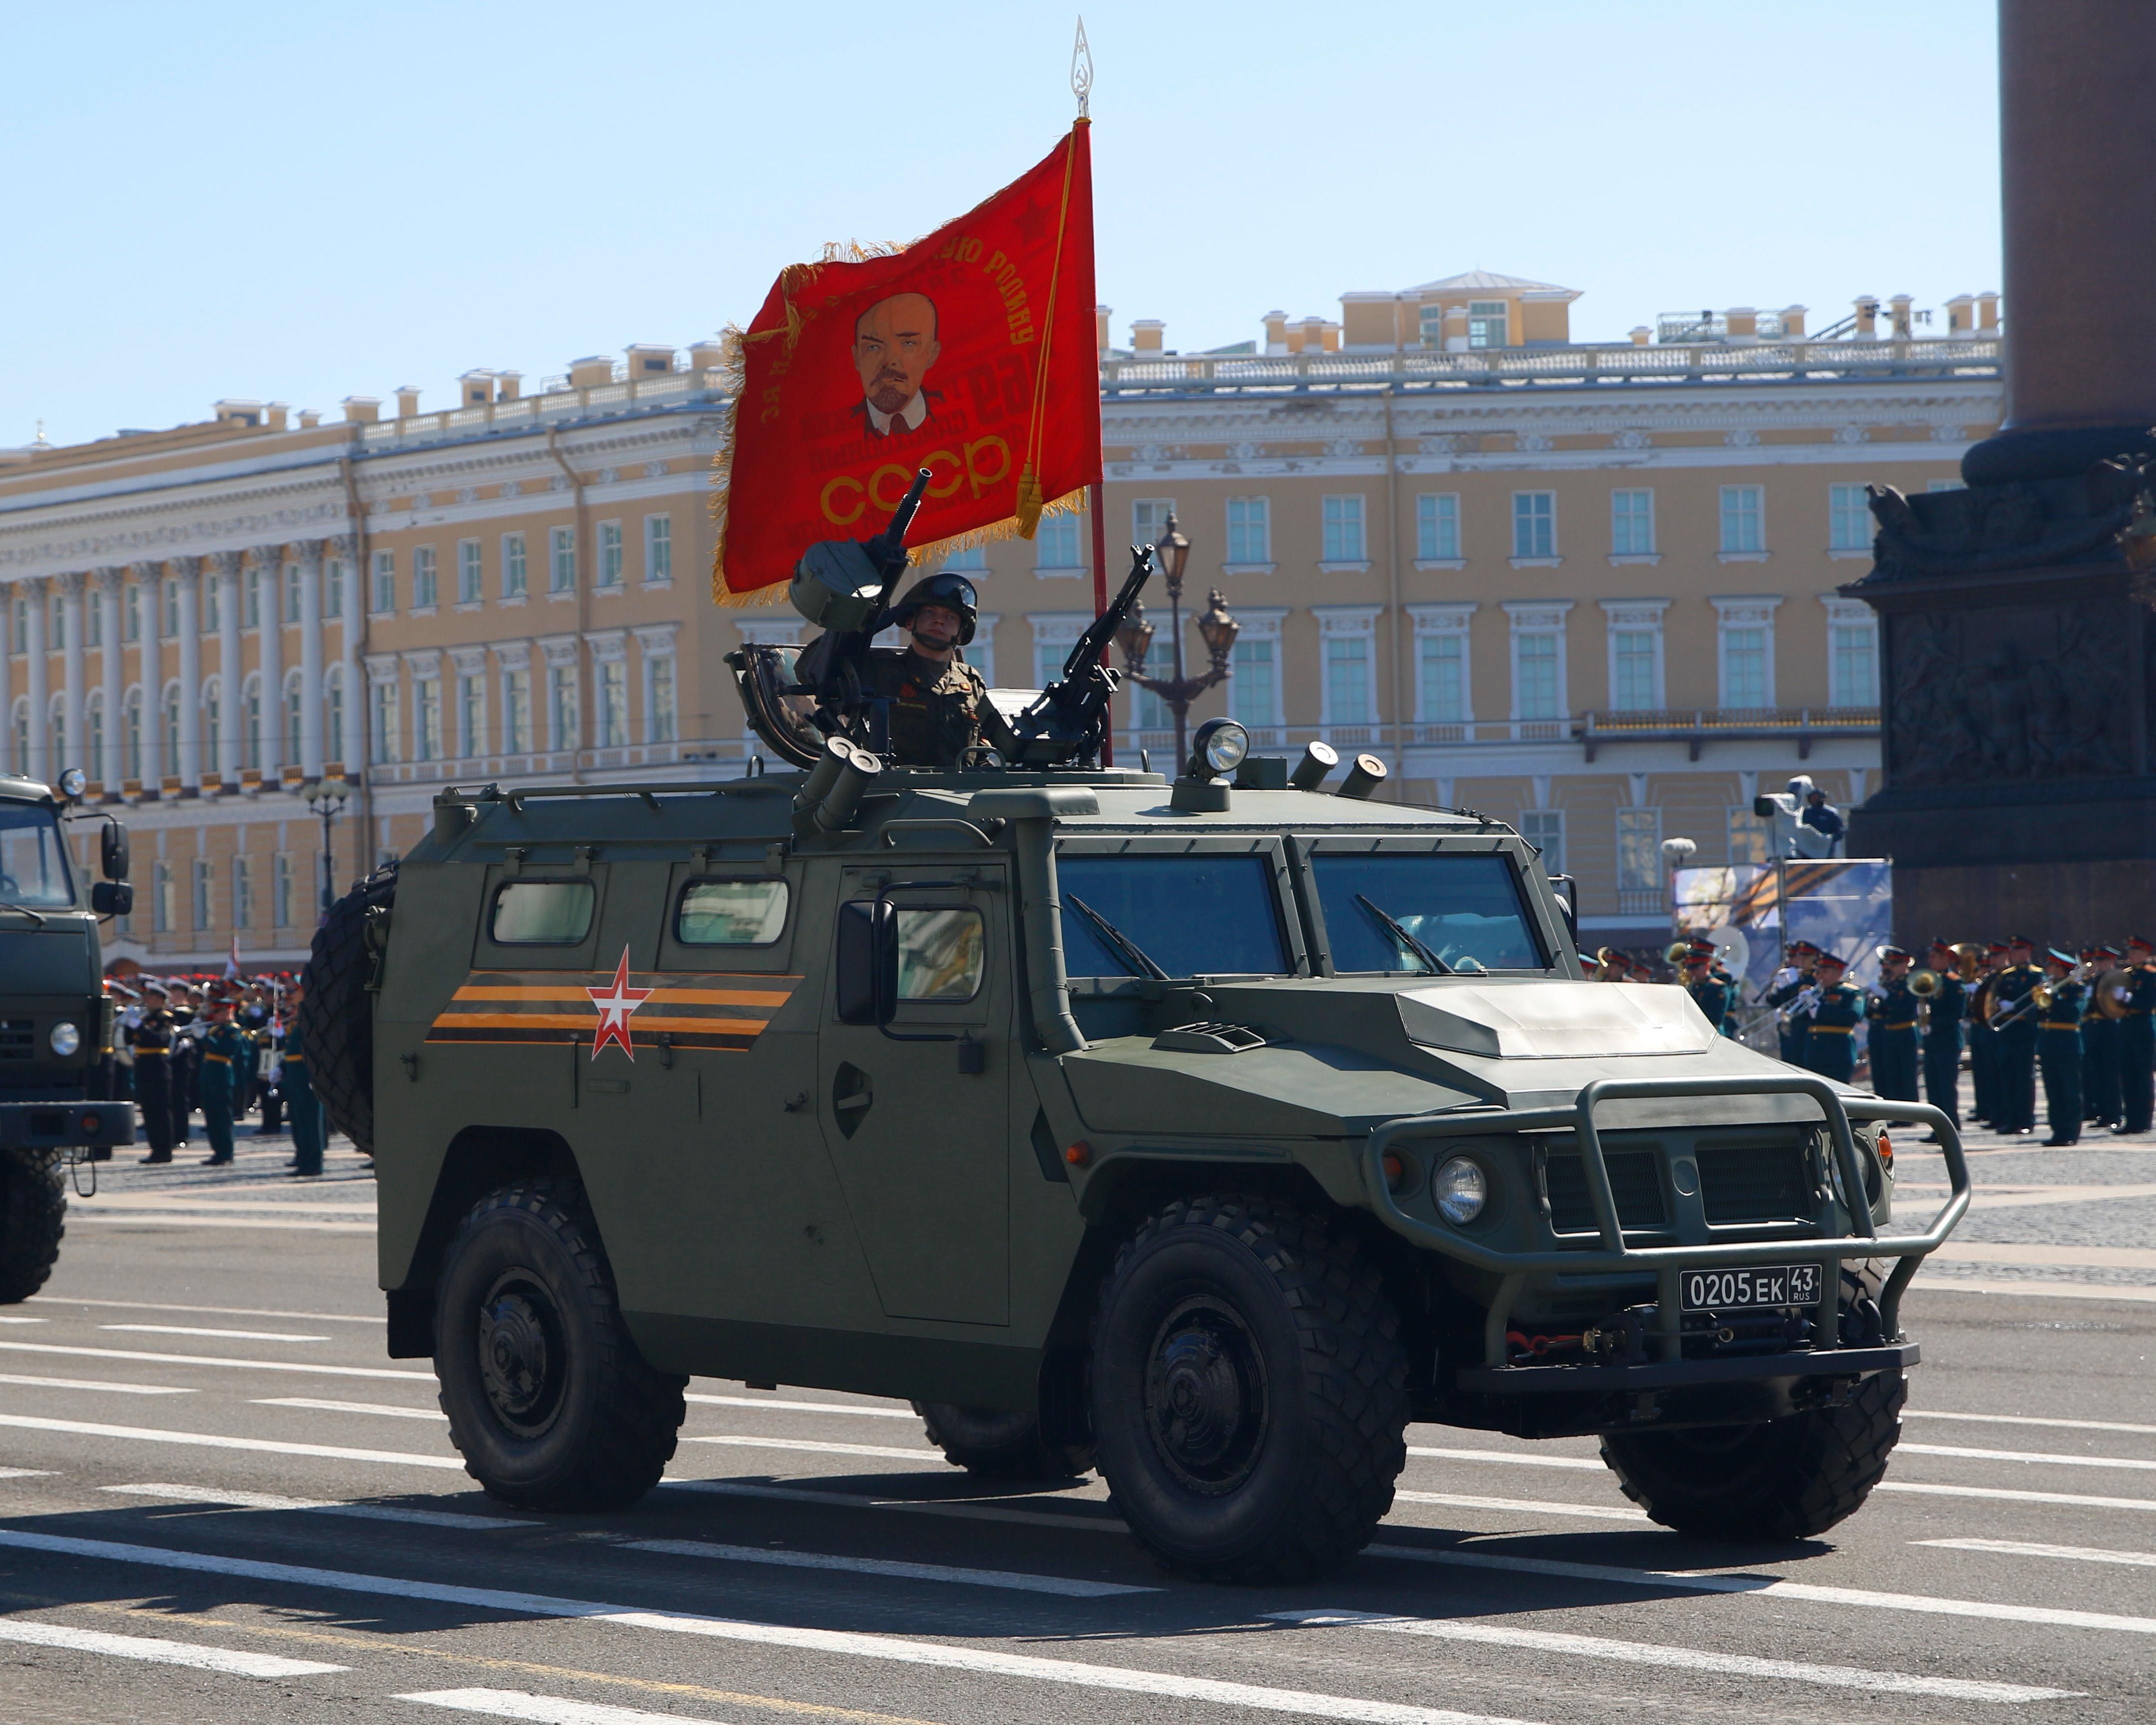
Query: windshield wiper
<point>1124,947</point>
<point>1415,948</point>
<point>25,910</point>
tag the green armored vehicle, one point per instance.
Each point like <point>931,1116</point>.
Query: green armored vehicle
<point>1206,1130</point>
<point>56,1024</point>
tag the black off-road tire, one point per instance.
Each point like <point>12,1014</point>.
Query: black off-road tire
<point>1250,1391</point>
<point>336,1014</point>
<point>992,1445</point>
<point>1786,1479</point>
<point>33,1217</point>
<point>548,1398</point>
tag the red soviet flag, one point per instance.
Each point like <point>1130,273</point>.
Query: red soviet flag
<point>970,352</point>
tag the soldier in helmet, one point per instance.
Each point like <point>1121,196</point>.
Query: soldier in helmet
<point>932,690</point>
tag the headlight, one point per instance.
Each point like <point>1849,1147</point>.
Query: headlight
<point>1218,749</point>
<point>1461,1190</point>
<point>65,1039</point>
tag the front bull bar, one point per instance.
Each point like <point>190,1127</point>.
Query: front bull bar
<point>1668,1262</point>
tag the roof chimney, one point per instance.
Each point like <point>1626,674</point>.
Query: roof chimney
<point>1276,332</point>
<point>1741,323</point>
<point>590,372</point>
<point>1102,340</point>
<point>1148,335</point>
<point>361,409</point>
<point>1961,314</point>
<point>275,414</point>
<point>1867,318</point>
<point>1641,335</point>
<point>475,388</point>
<point>1987,313</point>
<point>649,359</point>
<point>1793,321</point>
<point>233,411</point>
<point>507,384</point>
<point>310,417</point>
<point>1900,305</point>
<point>707,355</point>
<point>407,400</point>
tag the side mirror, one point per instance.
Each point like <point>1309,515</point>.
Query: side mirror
<point>112,898</point>
<point>868,962</point>
<point>113,851</point>
<point>1568,901</point>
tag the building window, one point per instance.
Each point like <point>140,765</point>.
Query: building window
<point>333,714</point>
<point>130,613</point>
<point>1489,324</point>
<point>1149,521</point>
<point>1848,519</point>
<point>93,623</point>
<point>1544,829</point>
<point>243,892</point>
<point>513,575</point>
<point>425,596</point>
<point>471,715</point>
<point>561,559</point>
<point>290,584</point>
<point>1633,664</point>
<point>280,890</point>
<point>1347,679</point>
<point>1747,839</point>
<point>659,723</point>
<point>131,763</point>
<point>427,719</point>
<point>1537,691</point>
<point>250,598</point>
<point>333,580</point>
<point>294,713</point>
<point>972,559</point>
<point>213,594</point>
<point>1534,524</point>
<point>1441,659</point>
<point>1055,546</point>
<point>212,725</point>
<point>1853,667</point>
<point>251,724</point>
<point>94,739</point>
<point>1741,529</point>
<point>658,548</point>
<point>468,572</point>
<point>1746,678</point>
<point>384,739</point>
<point>517,711</point>
<point>383,600</point>
<point>1254,690</point>
<point>613,703</point>
<point>18,732</point>
<point>1632,524</point>
<point>205,881</point>
<point>18,637</point>
<point>1250,530</point>
<point>1638,850</point>
<point>609,554</point>
<point>1343,530</point>
<point>564,716</point>
<point>169,587</point>
<point>161,899</point>
<point>1437,525</point>
<point>171,734</point>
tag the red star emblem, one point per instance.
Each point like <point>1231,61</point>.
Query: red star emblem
<point>615,1004</point>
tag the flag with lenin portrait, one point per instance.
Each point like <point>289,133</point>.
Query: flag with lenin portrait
<point>970,352</point>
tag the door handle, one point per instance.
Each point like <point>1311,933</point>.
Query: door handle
<point>852,1093</point>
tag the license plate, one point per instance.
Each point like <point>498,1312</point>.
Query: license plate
<point>1727,1290</point>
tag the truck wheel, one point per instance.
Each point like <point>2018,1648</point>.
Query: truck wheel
<point>1250,1391</point>
<point>548,1399</point>
<point>992,1445</point>
<point>1785,1479</point>
<point>337,1013</point>
<point>33,1217</point>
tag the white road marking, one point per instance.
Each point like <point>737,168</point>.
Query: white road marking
<point>157,1651</point>
<point>1523,1506</point>
<point>1684,1659</point>
<point>380,1408</point>
<point>199,1359</point>
<point>93,1383</point>
<point>2024,1455</point>
<point>1776,1587</point>
<point>811,1447</point>
<point>206,1440</point>
<point>981,1661</point>
<point>544,1709</point>
<point>2030,1419</point>
<point>324,1505</point>
<point>11,1319</point>
<point>25,1473</point>
<point>765,1401</point>
<point>2001,1495</point>
<point>235,1335</point>
<point>1012,1580</point>
<point>854,1500</point>
<point>2039,1288</point>
<point>191,1218</point>
<point>312,1317</point>
<point>2022,1548</point>
<point>1592,1464</point>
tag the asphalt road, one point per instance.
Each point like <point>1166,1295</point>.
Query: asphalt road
<point>219,1500</point>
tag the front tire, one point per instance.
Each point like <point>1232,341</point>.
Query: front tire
<point>992,1445</point>
<point>33,1217</point>
<point>1250,1391</point>
<point>548,1399</point>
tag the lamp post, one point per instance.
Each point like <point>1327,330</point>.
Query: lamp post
<point>326,797</point>
<point>1219,629</point>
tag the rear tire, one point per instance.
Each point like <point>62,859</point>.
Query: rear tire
<point>1250,1391</point>
<point>33,1217</point>
<point>992,1445</point>
<point>337,1013</point>
<point>548,1398</point>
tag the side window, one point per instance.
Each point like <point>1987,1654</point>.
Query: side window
<point>730,913</point>
<point>542,913</point>
<point>941,954</point>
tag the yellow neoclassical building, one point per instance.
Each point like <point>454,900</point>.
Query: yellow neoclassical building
<point>1588,588</point>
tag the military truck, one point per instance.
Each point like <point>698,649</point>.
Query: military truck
<point>55,1023</point>
<point>1204,1130</point>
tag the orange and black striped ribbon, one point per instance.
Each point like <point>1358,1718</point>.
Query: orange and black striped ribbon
<point>721,1013</point>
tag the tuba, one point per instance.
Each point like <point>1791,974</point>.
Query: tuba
<point>2114,991</point>
<point>1676,951</point>
<point>1924,984</point>
<point>1968,960</point>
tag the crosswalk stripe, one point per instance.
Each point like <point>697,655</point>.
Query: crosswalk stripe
<point>854,1500</point>
<point>25,1473</point>
<point>2044,1455</point>
<point>11,1318</point>
<point>1523,1506</point>
<point>206,1441</point>
<point>93,1383</point>
<point>1645,1653</point>
<point>1011,1580</point>
<point>541,1709</point>
<point>322,1407</point>
<point>765,1401</point>
<point>2003,1495</point>
<point>810,1446</point>
<point>312,1317</point>
<point>198,1359</point>
<point>232,1662</point>
<point>1592,1464</point>
<point>2023,1548</point>
<point>234,1335</point>
<point>980,1661</point>
<point>321,1506</point>
<point>2029,1420</point>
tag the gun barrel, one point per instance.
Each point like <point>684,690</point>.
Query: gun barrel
<point>894,536</point>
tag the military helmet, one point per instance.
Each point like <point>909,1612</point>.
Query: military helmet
<point>948,589</point>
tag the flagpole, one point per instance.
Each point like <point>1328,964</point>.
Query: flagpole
<point>1081,86</point>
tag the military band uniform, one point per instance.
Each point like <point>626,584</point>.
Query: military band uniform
<point>2059,1048</point>
<point>186,1075</point>
<point>269,1086</point>
<point>1983,1052</point>
<point>223,1046</point>
<point>2013,1050</point>
<point>1790,1027</point>
<point>1830,1038</point>
<point>2137,1051</point>
<point>151,1043</point>
<point>1943,1047</point>
<point>933,706</point>
<point>1722,973</point>
<point>1893,1015</point>
<point>2101,1099</point>
<point>248,1070</point>
<point>1710,993</point>
<point>307,1127</point>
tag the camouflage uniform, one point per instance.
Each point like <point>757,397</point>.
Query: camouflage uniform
<point>933,722</point>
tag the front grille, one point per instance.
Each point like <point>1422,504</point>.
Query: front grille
<point>1755,1183</point>
<point>1635,1180</point>
<point>19,1039</point>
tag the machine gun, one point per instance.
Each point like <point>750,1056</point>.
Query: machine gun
<point>1066,722</point>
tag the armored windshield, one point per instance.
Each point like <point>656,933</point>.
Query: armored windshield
<point>33,871</point>
<point>1460,907</point>
<point>1192,916</point>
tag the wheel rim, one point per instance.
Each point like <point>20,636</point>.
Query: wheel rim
<point>1205,1395</point>
<point>522,1359</point>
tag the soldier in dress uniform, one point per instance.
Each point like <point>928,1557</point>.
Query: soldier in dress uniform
<point>1609,965</point>
<point>1986,1108</point>
<point>1830,1038</point>
<point>2014,1041</point>
<point>309,1130</point>
<point>2100,1101</point>
<point>1942,1035</point>
<point>933,694</point>
<point>2136,1040</point>
<point>1791,984</point>
<point>1893,1014</point>
<point>2059,1049</point>
<point>187,1064</point>
<point>222,1046</point>
<point>150,1040</point>
<point>1709,992</point>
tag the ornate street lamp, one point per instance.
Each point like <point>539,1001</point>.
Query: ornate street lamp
<point>326,797</point>
<point>1172,552</point>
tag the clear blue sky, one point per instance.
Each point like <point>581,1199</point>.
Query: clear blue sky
<point>301,203</point>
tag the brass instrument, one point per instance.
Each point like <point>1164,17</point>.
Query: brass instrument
<point>2037,998</point>
<point>2114,991</point>
<point>1924,984</point>
<point>1676,951</point>
<point>1968,960</point>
